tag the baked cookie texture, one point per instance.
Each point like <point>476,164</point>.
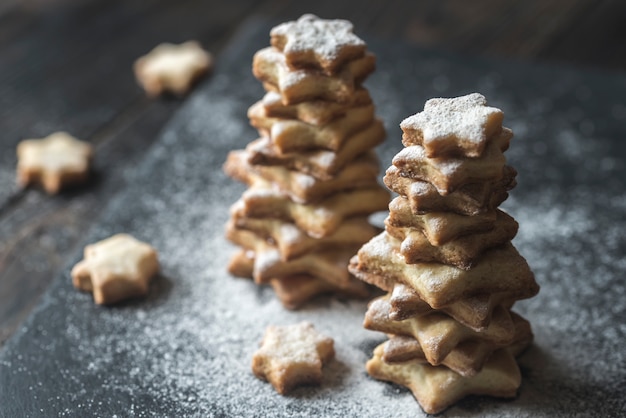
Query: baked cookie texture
<point>312,174</point>
<point>292,355</point>
<point>54,162</point>
<point>171,68</point>
<point>446,260</point>
<point>117,268</point>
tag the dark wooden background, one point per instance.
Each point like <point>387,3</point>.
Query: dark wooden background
<point>66,65</point>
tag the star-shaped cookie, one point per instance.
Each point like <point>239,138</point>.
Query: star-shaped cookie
<point>292,355</point>
<point>461,125</point>
<point>54,162</point>
<point>117,268</point>
<point>438,387</point>
<point>172,68</point>
<point>318,43</point>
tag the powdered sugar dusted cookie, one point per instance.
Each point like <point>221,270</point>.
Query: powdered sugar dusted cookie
<point>117,268</point>
<point>292,355</point>
<point>438,387</point>
<point>316,112</point>
<point>54,162</point>
<point>317,43</point>
<point>461,125</point>
<point>296,86</point>
<point>172,68</point>
<point>321,164</point>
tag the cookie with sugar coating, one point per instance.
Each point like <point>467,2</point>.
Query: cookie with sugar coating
<point>448,174</point>
<point>474,312</point>
<point>116,268</point>
<point>296,86</point>
<point>311,42</point>
<point>318,219</point>
<point>328,264</point>
<point>501,269</point>
<point>54,162</point>
<point>294,135</point>
<point>314,112</point>
<point>292,355</point>
<point>462,252</point>
<point>459,126</point>
<point>171,68</point>
<point>438,387</point>
<point>438,227</point>
<point>321,164</point>
<point>469,199</point>
<point>438,334</point>
<point>292,242</point>
<point>300,187</point>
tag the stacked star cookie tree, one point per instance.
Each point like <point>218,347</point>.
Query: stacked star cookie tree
<point>312,175</point>
<point>446,260</point>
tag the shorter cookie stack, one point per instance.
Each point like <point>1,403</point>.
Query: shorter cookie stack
<point>446,260</point>
<point>312,175</point>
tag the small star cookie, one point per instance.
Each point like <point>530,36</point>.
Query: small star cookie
<point>292,355</point>
<point>117,268</point>
<point>54,162</point>
<point>318,43</point>
<point>461,125</point>
<point>172,68</point>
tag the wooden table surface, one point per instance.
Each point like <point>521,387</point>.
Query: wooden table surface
<point>66,65</point>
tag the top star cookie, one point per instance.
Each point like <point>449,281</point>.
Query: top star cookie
<point>54,162</point>
<point>311,42</point>
<point>172,68</point>
<point>458,126</point>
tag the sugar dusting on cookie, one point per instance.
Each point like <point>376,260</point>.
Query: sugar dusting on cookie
<point>460,119</point>
<point>327,38</point>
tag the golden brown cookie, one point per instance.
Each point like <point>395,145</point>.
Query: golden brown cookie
<point>290,135</point>
<point>329,264</point>
<point>311,42</point>
<point>438,227</point>
<point>315,112</point>
<point>474,312</point>
<point>54,162</point>
<point>439,334</point>
<point>321,164</point>
<point>501,269</point>
<point>462,252</point>
<point>437,387</point>
<point>294,291</point>
<point>317,220</point>
<point>296,86</point>
<point>117,268</point>
<point>292,242</point>
<point>467,358</point>
<point>457,126</point>
<point>172,68</point>
<point>301,187</point>
<point>291,356</point>
<point>448,174</point>
<point>469,199</point>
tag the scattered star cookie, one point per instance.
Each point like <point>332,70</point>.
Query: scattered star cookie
<point>292,355</point>
<point>460,124</point>
<point>54,162</point>
<point>172,68</point>
<point>117,268</point>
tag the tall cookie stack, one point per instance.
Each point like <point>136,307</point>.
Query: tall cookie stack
<point>312,175</point>
<point>446,260</point>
